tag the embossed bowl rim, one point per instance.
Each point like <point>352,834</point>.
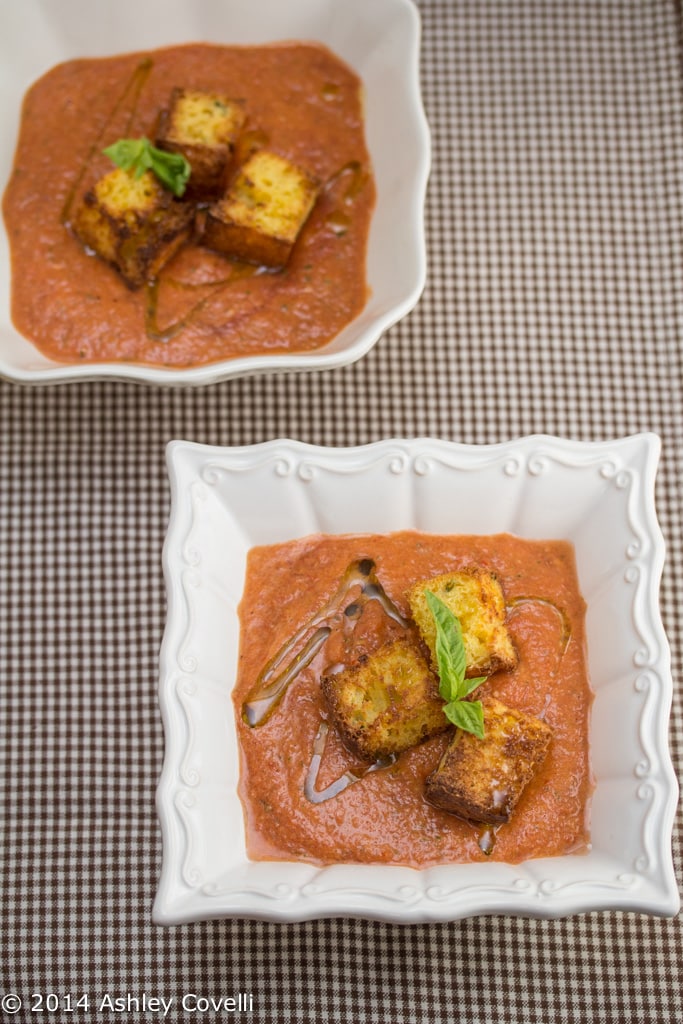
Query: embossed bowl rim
<point>600,495</point>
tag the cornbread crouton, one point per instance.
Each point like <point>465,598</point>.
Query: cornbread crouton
<point>475,596</point>
<point>134,224</point>
<point>204,128</point>
<point>387,702</point>
<point>263,211</point>
<point>482,779</point>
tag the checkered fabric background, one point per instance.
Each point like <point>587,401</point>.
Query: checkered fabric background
<point>554,224</point>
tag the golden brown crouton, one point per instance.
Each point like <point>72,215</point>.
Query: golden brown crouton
<point>482,779</point>
<point>204,128</point>
<point>260,217</point>
<point>387,702</point>
<point>475,596</point>
<point>133,223</point>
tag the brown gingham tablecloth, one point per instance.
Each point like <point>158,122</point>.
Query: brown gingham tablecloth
<point>553,304</point>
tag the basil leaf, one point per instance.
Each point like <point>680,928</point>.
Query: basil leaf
<point>451,660</point>
<point>471,684</point>
<point>128,154</point>
<point>139,155</point>
<point>172,170</point>
<point>467,715</point>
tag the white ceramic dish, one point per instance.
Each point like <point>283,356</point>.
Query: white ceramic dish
<point>598,495</point>
<point>380,40</point>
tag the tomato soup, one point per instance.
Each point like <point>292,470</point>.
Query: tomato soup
<point>301,101</point>
<point>292,760</point>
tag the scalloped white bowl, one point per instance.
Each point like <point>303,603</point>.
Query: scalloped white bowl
<point>598,495</point>
<point>379,40</point>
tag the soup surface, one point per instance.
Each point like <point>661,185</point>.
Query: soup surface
<point>295,806</point>
<point>301,101</point>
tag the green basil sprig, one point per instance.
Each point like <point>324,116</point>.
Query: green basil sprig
<point>451,662</point>
<point>139,155</point>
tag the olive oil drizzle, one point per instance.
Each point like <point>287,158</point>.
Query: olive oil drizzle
<point>131,94</point>
<point>358,177</point>
<point>319,796</point>
<point>300,649</point>
<point>487,839</point>
<point>154,332</point>
<point>566,630</point>
<point>262,701</point>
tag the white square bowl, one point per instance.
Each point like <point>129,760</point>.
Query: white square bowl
<point>598,495</point>
<point>379,40</point>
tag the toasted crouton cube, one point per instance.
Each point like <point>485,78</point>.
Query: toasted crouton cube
<point>261,215</point>
<point>204,128</point>
<point>387,702</point>
<point>475,596</point>
<point>134,224</point>
<point>482,779</point>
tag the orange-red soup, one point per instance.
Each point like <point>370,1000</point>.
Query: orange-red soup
<point>384,818</point>
<point>302,101</point>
